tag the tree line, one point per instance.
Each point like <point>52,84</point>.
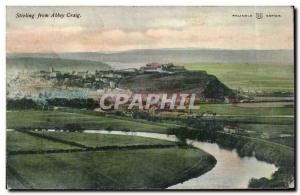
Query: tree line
<point>26,103</point>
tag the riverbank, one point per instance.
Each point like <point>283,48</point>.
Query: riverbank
<point>280,155</point>
<point>230,172</point>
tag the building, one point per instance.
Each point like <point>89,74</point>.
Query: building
<point>53,73</point>
<point>157,67</point>
<point>228,100</point>
<point>112,84</point>
<point>167,66</point>
<point>209,114</point>
<point>231,129</point>
<point>81,74</point>
<point>153,65</point>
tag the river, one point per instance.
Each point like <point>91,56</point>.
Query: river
<point>230,172</point>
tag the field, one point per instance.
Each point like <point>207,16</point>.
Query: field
<point>100,140</point>
<point>17,141</point>
<point>272,121</point>
<point>47,141</point>
<point>284,129</point>
<point>57,119</point>
<point>255,109</point>
<point>254,77</point>
<point>282,134</point>
<point>116,169</point>
<point>273,99</point>
<point>110,170</point>
<point>122,167</point>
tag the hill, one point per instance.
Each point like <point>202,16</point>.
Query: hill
<point>199,82</point>
<point>177,56</point>
<point>19,64</point>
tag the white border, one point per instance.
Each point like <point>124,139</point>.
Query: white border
<point>4,3</point>
<point>154,2</point>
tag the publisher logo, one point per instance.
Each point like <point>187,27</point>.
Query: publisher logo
<point>259,15</point>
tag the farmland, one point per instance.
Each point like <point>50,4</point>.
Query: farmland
<point>283,134</point>
<point>254,109</point>
<point>99,140</point>
<point>255,77</point>
<point>138,169</point>
<point>131,164</point>
<point>273,121</point>
<point>56,119</point>
<point>116,169</point>
<point>20,141</point>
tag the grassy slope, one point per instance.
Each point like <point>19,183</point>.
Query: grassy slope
<point>251,76</point>
<point>52,119</point>
<point>143,169</point>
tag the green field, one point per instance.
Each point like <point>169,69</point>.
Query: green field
<point>251,76</point>
<point>154,168</point>
<point>229,109</point>
<point>99,140</point>
<point>283,134</point>
<point>273,99</point>
<point>17,141</point>
<point>114,169</point>
<point>138,169</point>
<point>284,129</point>
<point>57,119</point>
<point>254,119</point>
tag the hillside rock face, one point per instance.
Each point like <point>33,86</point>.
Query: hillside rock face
<point>198,82</point>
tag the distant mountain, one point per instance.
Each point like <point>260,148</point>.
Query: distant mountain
<point>177,56</point>
<point>18,64</point>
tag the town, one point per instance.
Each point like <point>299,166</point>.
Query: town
<point>79,83</point>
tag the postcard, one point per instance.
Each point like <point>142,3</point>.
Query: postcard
<point>150,98</point>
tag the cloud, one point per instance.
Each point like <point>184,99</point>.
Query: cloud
<point>124,28</point>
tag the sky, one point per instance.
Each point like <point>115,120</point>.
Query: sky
<point>109,29</point>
